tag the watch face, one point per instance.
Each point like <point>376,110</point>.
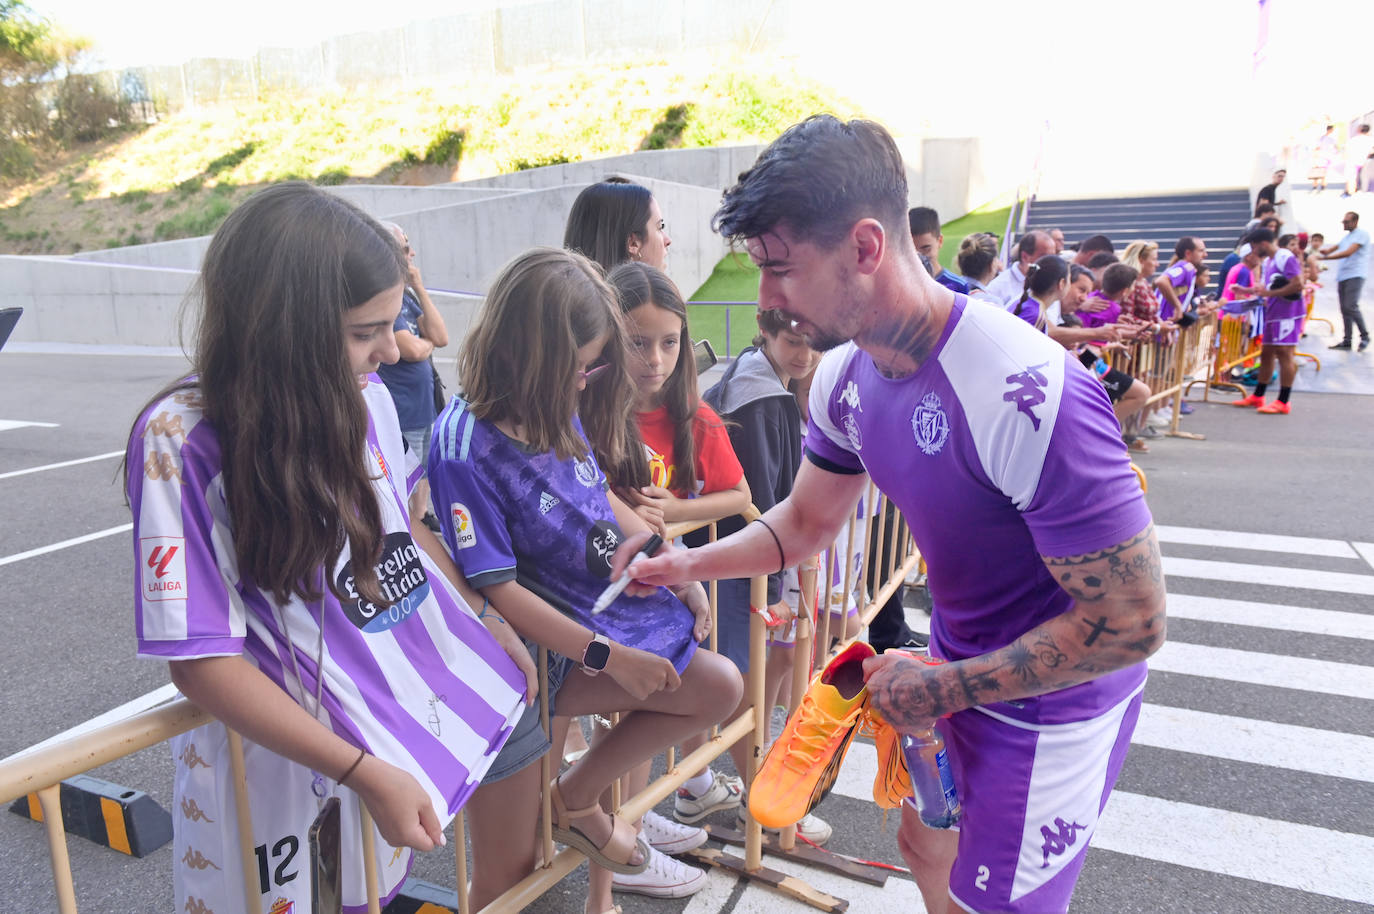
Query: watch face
<point>598,652</point>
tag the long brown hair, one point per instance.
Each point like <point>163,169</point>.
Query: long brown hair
<point>278,388</point>
<point>519,361</point>
<point>640,284</point>
<point>604,216</point>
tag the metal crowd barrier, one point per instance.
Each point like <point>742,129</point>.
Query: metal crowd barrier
<point>42,770</point>
<point>1168,364</point>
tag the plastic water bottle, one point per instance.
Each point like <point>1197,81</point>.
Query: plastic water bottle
<point>934,795</point>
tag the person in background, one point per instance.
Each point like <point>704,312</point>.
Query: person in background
<point>1006,288</point>
<point>1140,302</point>
<point>1057,234</point>
<point>1268,195</point>
<point>1281,286</point>
<point>1090,247</point>
<point>925,231</point>
<point>1357,151</point>
<point>1328,149</point>
<point>1099,263</point>
<point>1353,252</point>
<point>977,262</point>
<point>411,379</point>
<point>616,220</point>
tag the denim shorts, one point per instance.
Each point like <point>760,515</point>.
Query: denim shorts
<point>528,741</point>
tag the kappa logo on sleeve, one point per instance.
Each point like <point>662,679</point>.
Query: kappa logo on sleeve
<point>164,567</point>
<point>464,531</point>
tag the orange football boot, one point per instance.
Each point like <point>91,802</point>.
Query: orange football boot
<point>802,765</point>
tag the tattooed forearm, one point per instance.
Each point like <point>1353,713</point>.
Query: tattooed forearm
<point>1097,628</point>
<point>1146,535</point>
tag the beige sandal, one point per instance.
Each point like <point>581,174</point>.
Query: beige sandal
<point>615,854</point>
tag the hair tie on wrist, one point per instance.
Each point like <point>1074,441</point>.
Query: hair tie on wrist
<point>782,562</point>
<point>362,754</point>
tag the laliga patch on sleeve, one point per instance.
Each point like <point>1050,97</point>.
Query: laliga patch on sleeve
<point>164,567</point>
<point>464,533</point>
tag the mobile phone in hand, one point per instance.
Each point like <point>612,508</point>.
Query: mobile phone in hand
<point>705,355</point>
<point>326,875</point>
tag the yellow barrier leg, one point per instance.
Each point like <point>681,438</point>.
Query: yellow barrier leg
<point>252,892</point>
<point>758,598</point>
<point>50,798</point>
<point>374,894</point>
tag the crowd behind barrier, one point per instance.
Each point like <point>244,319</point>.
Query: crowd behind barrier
<point>39,773</point>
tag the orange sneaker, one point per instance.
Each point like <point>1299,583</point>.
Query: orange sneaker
<point>1274,408</point>
<point>802,765</point>
<point>893,783</point>
<point>1251,401</point>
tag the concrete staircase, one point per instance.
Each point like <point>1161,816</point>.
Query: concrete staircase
<point>1215,216</point>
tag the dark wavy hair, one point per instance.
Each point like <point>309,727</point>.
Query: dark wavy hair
<point>271,367</point>
<point>818,179</point>
<point>639,284</point>
<point>519,361</point>
<point>602,219</point>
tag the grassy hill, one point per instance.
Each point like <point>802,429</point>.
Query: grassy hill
<point>181,176</point>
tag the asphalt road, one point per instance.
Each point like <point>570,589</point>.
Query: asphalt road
<point>1265,636</point>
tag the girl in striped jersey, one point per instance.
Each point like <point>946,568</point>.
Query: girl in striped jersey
<point>281,577</point>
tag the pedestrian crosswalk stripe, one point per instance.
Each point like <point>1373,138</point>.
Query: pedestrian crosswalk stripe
<point>1270,575</point>
<point>1344,755</point>
<point>1276,670</point>
<point>1366,551</point>
<point>1271,615</point>
<point>1302,857</point>
<point>1263,542</point>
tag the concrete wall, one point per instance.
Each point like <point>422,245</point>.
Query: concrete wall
<point>716,167</point>
<point>73,302</point>
<point>182,254</point>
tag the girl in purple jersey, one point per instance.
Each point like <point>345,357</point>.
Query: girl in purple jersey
<point>279,574</point>
<point>529,514</point>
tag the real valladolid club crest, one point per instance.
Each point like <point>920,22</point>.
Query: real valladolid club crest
<point>929,424</point>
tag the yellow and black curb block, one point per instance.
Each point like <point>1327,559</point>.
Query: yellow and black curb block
<point>120,818</point>
<point>420,897</point>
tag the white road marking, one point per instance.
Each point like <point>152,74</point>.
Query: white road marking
<point>1326,752</point>
<point>7,425</point>
<point>898,894</point>
<point>1302,857</point>
<point>1366,551</point>
<point>1271,615</point>
<point>65,463</point>
<point>75,541</point>
<point>1277,670</point>
<point>1270,575</point>
<point>1266,542</point>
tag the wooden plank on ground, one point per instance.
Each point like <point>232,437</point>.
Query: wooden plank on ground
<point>788,885</point>
<point>805,853</point>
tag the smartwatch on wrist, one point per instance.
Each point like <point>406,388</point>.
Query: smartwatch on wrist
<point>596,655</point>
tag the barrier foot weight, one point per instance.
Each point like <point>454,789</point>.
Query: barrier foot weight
<point>420,897</point>
<point>117,817</point>
<point>787,885</point>
<point>805,853</point>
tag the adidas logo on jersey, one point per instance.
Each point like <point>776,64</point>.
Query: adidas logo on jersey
<point>546,502</point>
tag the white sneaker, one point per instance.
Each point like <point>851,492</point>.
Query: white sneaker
<point>724,793</point>
<point>664,877</point>
<point>813,828</point>
<point>669,837</point>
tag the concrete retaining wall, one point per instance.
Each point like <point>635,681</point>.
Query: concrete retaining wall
<point>715,167</point>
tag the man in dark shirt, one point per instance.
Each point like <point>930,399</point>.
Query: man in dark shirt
<point>925,231</point>
<point>1269,192</point>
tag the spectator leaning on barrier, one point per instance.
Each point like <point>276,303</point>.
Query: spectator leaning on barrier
<point>1006,288</point>
<point>925,232</point>
<point>977,262</point>
<point>1353,252</point>
<point>411,379</point>
<point>1281,286</point>
<point>1178,283</point>
<point>977,427</point>
<point>1140,302</point>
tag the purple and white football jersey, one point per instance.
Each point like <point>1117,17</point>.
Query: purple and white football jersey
<point>419,683</point>
<point>1282,317</point>
<point>511,514</point>
<point>1183,277</point>
<point>1001,448</point>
